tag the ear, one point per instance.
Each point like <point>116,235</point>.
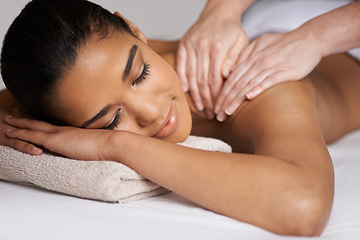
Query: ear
<point>136,30</point>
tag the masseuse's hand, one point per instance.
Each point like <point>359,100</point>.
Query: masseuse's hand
<point>77,143</point>
<point>206,54</point>
<point>17,144</point>
<point>268,60</point>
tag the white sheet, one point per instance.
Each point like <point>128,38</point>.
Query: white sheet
<point>34,214</point>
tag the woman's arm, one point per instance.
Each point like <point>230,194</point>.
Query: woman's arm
<point>336,31</point>
<point>275,58</point>
<point>286,187</point>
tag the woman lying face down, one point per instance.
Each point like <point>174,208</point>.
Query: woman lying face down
<point>119,83</point>
<point>74,63</point>
<point>107,79</point>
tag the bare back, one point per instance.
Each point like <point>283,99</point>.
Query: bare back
<point>332,87</point>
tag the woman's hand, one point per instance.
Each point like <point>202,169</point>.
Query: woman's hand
<point>206,54</point>
<point>268,60</point>
<point>77,143</point>
<point>17,144</point>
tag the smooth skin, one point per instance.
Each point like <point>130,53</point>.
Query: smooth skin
<point>280,176</point>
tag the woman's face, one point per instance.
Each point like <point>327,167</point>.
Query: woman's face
<point>119,83</point>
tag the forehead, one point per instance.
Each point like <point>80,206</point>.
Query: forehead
<point>85,87</point>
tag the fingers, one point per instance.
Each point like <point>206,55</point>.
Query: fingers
<point>253,87</point>
<point>237,94</point>
<point>27,123</point>
<point>203,79</point>
<point>16,143</point>
<point>269,81</point>
<point>24,147</point>
<point>199,75</point>
<point>181,57</point>
<point>25,133</point>
<point>234,83</point>
<point>191,74</point>
<point>33,136</point>
<point>233,56</point>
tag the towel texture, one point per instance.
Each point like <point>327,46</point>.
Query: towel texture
<point>105,181</point>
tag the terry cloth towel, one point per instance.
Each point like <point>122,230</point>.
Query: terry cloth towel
<point>99,180</point>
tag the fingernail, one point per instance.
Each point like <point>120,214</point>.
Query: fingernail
<point>184,88</point>
<point>229,110</point>
<point>226,72</point>
<point>199,106</point>
<point>217,108</point>
<point>220,117</point>
<point>10,130</point>
<point>37,150</point>
<point>249,94</point>
<point>9,116</point>
<point>210,114</point>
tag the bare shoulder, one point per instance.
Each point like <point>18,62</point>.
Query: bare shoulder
<point>162,47</point>
<point>282,122</point>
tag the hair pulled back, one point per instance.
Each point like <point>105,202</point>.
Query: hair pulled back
<point>42,44</point>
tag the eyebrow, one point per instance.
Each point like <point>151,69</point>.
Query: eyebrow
<point>102,113</point>
<point>129,63</point>
<point>125,74</point>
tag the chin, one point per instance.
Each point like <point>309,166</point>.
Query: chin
<point>183,131</point>
<point>178,138</point>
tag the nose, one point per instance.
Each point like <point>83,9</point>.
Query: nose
<point>145,109</point>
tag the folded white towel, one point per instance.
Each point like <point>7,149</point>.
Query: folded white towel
<point>105,180</point>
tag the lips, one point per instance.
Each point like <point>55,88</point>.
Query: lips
<point>170,123</point>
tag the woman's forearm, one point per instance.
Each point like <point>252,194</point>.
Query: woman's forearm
<point>336,31</point>
<point>264,191</point>
<point>226,8</point>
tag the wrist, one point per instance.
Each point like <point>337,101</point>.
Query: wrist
<point>313,41</point>
<point>121,146</point>
<point>112,145</point>
<point>226,9</point>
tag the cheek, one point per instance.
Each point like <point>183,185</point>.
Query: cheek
<point>165,75</point>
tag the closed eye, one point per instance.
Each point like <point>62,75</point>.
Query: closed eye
<point>114,124</point>
<point>145,72</point>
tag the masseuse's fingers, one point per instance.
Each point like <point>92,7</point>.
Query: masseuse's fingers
<point>181,60</point>
<point>268,60</point>
<point>203,79</point>
<point>233,84</point>
<point>267,82</point>
<point>264,80</point>
<point>191,74</point>
<point>233,55</point>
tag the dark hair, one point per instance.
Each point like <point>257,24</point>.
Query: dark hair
<point>42,44</point>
